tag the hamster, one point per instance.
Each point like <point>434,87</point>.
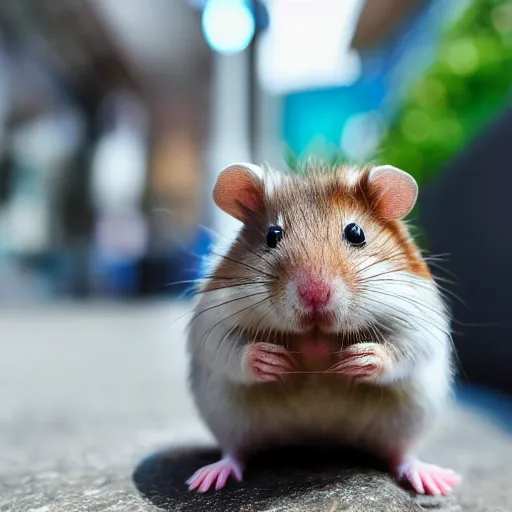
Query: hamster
<point>320,323</point>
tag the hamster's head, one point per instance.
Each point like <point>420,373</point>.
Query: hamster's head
<point>323,251</point>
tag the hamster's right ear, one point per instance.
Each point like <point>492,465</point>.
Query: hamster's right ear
<point>239,191</point>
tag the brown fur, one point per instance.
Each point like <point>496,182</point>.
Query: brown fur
<point>313,205</point>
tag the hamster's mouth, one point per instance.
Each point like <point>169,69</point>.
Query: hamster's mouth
<point>317,321</point>
<point>315,338</point>
<point>316,345</point>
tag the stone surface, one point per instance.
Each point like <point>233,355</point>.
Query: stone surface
<point>95,417</point>
<point>288,480</point>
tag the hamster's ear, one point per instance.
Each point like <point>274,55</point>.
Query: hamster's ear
<point>394,190</point>
<point>239,191</point>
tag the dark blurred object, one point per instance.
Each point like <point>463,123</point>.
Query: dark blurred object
<point>6,177</point>
<point>161,276</point>
<point>465,213</point>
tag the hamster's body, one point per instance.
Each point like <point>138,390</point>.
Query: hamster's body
<point>314,408</point>
<point>322,333</point>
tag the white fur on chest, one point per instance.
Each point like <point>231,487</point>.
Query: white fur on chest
<point>323,408</point>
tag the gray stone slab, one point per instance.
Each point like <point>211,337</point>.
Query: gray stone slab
<point>285,480</point>
<point>95,416</point>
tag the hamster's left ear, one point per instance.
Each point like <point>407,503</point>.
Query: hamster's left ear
<point>394,191</point>
<point>239,191</point>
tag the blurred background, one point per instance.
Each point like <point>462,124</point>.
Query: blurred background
<point>117,115</point>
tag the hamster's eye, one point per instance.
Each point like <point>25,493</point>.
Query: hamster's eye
<point>354,235</point>
<point>274,236</point>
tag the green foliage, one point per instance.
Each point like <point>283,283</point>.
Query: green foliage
<point>464,88</point>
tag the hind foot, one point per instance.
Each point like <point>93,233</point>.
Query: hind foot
<point>427,478</point>
<point>216,474</point>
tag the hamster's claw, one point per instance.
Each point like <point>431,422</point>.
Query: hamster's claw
<point>427,478</point>
<point>267,362</point>
<point>217,473</point>
<point>361,361</point>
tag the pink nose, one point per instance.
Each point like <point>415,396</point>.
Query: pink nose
<point>314,292</point>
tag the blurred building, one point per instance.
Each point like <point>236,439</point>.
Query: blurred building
<point>116,116</point>
<point>103,114</point>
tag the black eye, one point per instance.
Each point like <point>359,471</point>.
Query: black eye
<point>274,236</point>
<point>354,235</point>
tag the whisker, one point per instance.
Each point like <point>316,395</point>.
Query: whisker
<point>417,304</point>
<point>242,263</point>
<point>230,301</point>
<point>248,283</point>
<point>256,330</point>
<point>240,241</point>
<point>434,264</point>
<point>251,308</point>
<point>400,319</point>
<point>393,271</point>
<point>438,257</point>
<point>305,372</point>
<point>418,283</point>
<point>208,278</point>
<point>389,258</point>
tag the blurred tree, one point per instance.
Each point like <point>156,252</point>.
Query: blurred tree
<point>465,87</point>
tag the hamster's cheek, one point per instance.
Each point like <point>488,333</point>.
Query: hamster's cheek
<point>391,292</point>
<point>284,316</point>
<point>351,317</point>
<point>279,318</point>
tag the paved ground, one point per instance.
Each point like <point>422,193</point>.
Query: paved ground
<point>95,416</point>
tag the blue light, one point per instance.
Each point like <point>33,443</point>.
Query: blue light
<point>228,25</point>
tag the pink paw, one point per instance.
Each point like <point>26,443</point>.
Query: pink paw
<point>427,478</point>
<point>267,362</point>
<point>362,361</point>
<point>215,474</point>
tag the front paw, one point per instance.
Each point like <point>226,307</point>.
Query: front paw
<point>266,362</point>
<point>362,361</point>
